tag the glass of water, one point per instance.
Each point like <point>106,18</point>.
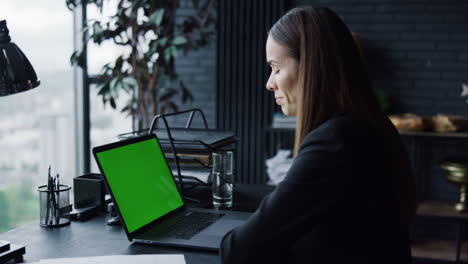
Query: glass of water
<point>223,177</point>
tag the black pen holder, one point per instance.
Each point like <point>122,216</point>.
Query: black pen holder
<point>89,191</point>
<point>54,206</point>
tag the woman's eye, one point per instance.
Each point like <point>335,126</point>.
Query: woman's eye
<point>277,72</point>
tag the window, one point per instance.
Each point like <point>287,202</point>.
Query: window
<point>106,122</point>
<point>38,126</point>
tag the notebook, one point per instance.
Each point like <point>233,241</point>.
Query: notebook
<point>148,200</point>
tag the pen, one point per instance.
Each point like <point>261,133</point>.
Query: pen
<point>57,187</point>
<point>48,198</point>
<point>54,202</point>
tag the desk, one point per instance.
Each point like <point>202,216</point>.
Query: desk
<point>95,238</point>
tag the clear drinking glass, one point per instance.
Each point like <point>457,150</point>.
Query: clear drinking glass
<point>223,177</point>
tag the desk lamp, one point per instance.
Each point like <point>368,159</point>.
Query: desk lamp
<point>16,72</point>
<point>16,75</point>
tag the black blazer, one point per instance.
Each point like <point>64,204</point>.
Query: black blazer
<point>339,203</point>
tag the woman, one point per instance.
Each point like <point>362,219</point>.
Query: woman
<point>349,195</point>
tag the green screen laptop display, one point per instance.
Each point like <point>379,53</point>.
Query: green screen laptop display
<point>141,182</point>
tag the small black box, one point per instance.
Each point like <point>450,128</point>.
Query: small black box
<point>89,190</point>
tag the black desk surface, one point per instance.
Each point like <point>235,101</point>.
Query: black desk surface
<point>95,238</point>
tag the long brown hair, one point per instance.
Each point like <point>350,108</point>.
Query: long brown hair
<point>331,74</point>
<point>332,78</point>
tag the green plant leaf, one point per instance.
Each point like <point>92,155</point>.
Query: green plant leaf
<point>173,51</point>
<point>157,16</point>
<point>186,94</point>
<point>71,4</point>
<point>118,63</point>
<point>170,52</point>
<point>126,108</point>
<point>179,40</point>
<point>135,3</point>
<point>115,86</point>
<point>80,59</point>
<point>112,103</point>
<point>104,89</point>
<point>153,48</point>
<point>162,41</point>
<point>167,55</point>
<point>74,57</point>
<point>106,68</point>
<point>96,35</point>
<point>129,83</point>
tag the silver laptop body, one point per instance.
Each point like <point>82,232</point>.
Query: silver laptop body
<point>149,203</point>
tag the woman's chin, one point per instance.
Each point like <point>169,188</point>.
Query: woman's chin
<point>287,111</point>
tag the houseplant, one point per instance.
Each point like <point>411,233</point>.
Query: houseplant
<point>153,36</point>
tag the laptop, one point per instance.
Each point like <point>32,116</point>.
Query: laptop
<point>149,203</point>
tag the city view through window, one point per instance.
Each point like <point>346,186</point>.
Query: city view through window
<point>106,122</point>
<point>38,126</point>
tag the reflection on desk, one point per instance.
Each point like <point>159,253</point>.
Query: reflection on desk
<point>117,259</point>
<point>90,238</point>
<point>95,238</point>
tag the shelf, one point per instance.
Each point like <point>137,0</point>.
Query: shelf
<point>438,250</point>
<point>436,134</point>
<point>442,210</point>
<point>403,133</point>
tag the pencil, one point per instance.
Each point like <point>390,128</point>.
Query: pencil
<point>57,187</point>
<point>48,198</point>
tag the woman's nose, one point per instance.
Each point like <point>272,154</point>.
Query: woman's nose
<point>269,85</point>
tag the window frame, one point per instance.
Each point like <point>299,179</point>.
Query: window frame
<point>81,84</point>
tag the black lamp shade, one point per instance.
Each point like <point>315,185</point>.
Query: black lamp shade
<point>16,72</point>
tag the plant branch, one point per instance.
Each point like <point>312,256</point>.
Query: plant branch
<point>123,30</point>
<point>136,71</point>
<point>153,79</point>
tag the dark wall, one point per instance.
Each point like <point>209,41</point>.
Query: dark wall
<point>227,79</point>
<point>198,71</point>
<point>242,102</point>
<point>416,50</point>
<point>417,53</point>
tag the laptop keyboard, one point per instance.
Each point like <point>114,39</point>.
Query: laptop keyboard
<point>187,224</point>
